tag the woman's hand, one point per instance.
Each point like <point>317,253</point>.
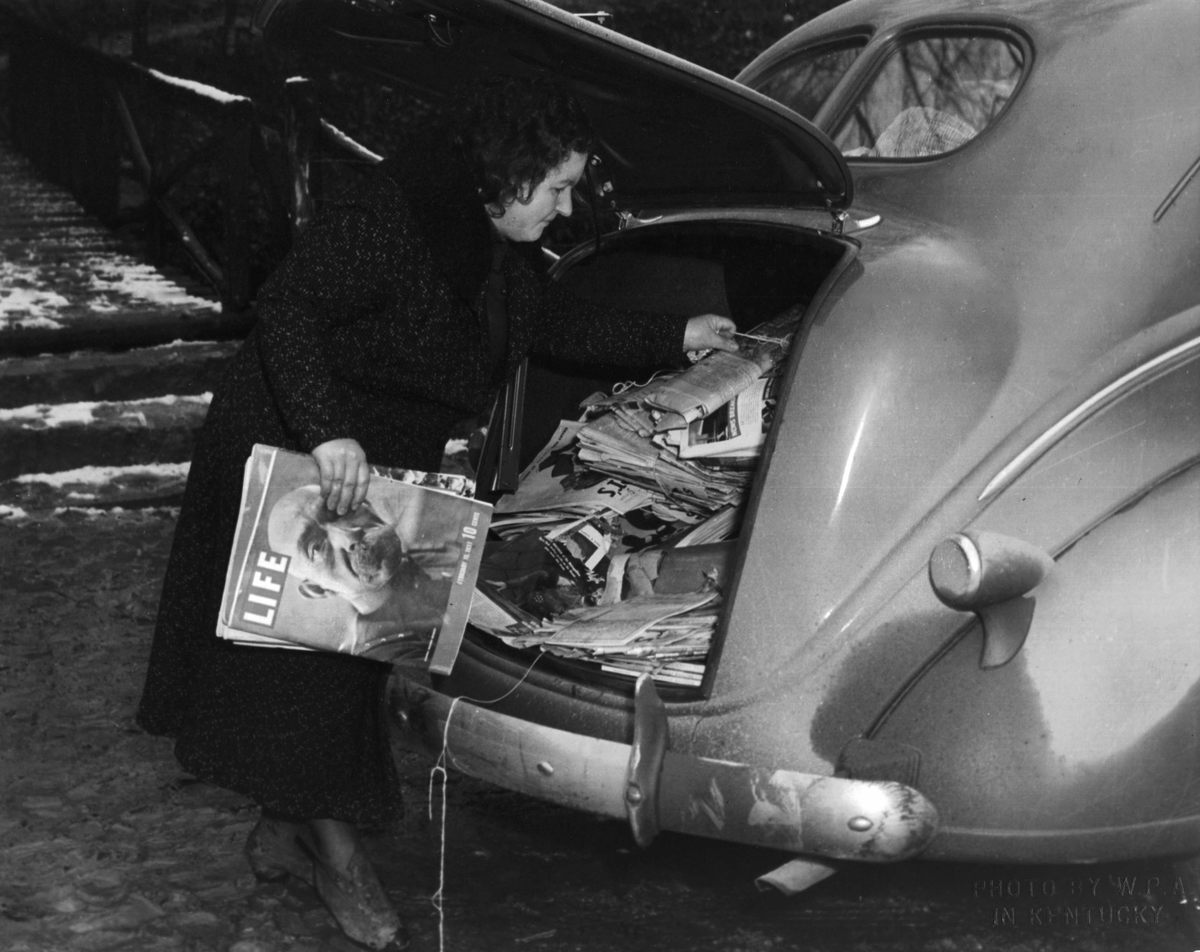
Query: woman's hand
<point>710,332</point>
<point>344,474</point>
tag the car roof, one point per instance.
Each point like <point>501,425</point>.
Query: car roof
<point>1053,15</point>
<point>1097,76</point>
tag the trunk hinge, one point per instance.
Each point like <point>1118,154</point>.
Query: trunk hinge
<point>599,17</point>
<point>604,193</point>
<point>625,219</point>
<point>842,223</point>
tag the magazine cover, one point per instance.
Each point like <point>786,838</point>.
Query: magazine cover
<point>391,580</point>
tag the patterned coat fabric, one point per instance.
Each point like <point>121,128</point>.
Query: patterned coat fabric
<point>372,328</point>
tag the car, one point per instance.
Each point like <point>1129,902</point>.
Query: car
<point>959,619</point>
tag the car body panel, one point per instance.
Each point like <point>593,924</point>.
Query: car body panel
<point>1085,724</point>
<point>968,321</point>
<point>1096,713</point>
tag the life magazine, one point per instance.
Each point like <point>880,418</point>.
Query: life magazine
<point>392,580</point>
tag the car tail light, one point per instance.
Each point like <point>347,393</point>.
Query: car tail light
<point>991,575</point>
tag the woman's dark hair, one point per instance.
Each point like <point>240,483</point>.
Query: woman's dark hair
<point>514,132</point>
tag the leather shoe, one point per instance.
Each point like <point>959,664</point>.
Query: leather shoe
<point>356,899</point>
<point>274,852</point>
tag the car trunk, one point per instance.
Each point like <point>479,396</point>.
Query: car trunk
<point>669,135</point>
<point>752,272</point>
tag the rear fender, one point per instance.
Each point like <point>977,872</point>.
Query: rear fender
<point>1083,746</point>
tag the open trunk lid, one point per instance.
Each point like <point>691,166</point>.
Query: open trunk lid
<point>670,132</point>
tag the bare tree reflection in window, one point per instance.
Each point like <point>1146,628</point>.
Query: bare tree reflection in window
<point>932,95</point>
<point>804,82</point>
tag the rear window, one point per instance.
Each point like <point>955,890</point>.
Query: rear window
<point>931,95</point>
<point>803,82</point>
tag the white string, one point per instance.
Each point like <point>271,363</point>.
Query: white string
<point>625,386</point>
<point>439,774</point>
<point>768,340</point>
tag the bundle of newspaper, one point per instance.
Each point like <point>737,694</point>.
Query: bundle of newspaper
<point>688,434</point>
<point>732,435</point>
<point>712,383</point>
<point>666,635</point>
<point>622,444</point>
<point>575,564</point>
<point>626,591</point>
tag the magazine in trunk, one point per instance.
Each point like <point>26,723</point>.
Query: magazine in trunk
<point>391,580</point>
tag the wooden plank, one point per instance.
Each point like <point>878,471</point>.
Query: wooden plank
<point>67,282</point>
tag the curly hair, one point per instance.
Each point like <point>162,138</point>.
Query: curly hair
<point>514,132</point>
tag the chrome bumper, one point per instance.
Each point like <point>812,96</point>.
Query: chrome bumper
<point>655,788</point>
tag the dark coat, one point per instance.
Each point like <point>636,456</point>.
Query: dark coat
<point>372,328</point>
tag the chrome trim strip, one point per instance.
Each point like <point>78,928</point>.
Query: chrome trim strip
<point>1137,377</point>
<point>1184,181</point>
<point>970,551</point>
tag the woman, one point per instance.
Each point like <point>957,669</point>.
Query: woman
<point>397,314</point>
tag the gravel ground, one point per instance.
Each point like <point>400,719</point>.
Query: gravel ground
<point>104,842</point>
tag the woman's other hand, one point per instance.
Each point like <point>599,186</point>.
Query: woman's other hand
<point>344,474</point>
<point>710,332</point>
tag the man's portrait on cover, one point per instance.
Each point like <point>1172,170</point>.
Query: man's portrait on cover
<point>371,557</point>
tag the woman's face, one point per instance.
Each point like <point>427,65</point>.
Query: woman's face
<point>525,221</point>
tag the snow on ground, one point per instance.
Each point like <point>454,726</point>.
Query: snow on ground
<point>91,491</point>
<point>140,282</point>
<point>103,475</point>
<point>112,282</point>
<point>45,415</point>
<point>22,302</point>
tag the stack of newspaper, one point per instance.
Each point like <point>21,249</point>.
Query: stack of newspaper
<point>666,635</point>
<point>678,401</point>
<point>575,565</point>
<point>622,443</point>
